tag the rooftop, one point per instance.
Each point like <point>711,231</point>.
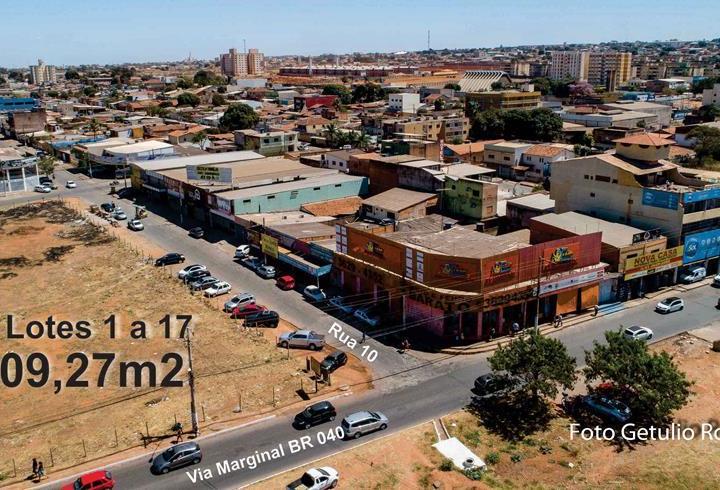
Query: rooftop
<point>250,192</point>
<point>468,148</point>
<point>334,207</point>
<point>397,199</point>
<point>614,234</point>
<point>647,139</point>
<point>205,159</point>
<point>462,241</point>
<point>466,170</point>
<point>539,201</point>
<point>545,150</point>
<point>307,229</point>
<point>140,147</point>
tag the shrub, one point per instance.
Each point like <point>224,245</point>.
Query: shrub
<point>446,465</point>
<point>493,457</point>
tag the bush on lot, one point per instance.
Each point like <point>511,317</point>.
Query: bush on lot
<point>474,473</point>
<point>493,457</point>
<point>446,465</point>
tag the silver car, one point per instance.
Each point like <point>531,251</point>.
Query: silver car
<point>241,299</point>
<point>668,305</point>
<point>361,423</point>
<point>637,332</point>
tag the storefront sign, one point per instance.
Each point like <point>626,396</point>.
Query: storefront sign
<point>223,205</point>
<point>561,255</point>
<point>444,302</point>
<point>655,262</point>
<point>509,297</point>
<point>366,271</point>
<point>568,281</point>
<point>215,174</point>
<point>452,270</point>
<point>501,267</point>
<point>689,197</point>
<point>660,199</point>
<point>373,248</point>
<point>644,236</point>
<point>269,246</point>
<point>701,246</point>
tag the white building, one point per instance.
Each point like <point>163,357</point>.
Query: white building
<point>234,64</point>
<point>712,95</point>
<point>404,102</point>
<point>42,73</point>
<point>569,64</point>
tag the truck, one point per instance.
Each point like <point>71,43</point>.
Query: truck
<point>316,479</point>
<point>304,339</point>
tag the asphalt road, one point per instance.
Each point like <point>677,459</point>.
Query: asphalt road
<point>421,392</point>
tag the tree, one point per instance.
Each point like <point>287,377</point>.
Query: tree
<point>342,92</point>
<point>452,86</point>
<point>649,382</point>
<point>199,139</point>
<point>537,124</point>
<point>94,127</point>
<point>332,135</point>
<point>439,104</point>
<point>156,111</point>
<point>204,77</point>
<point>581,150</point>
<point>708,113</point>
<point>2,81</point>
<point>121,75</point>
<point>46,165</point>
<point>542,362</point>
<point>368,92</point>
<point>184,83</point>
<point>71,74</point>
<point>488,124</point>
<point>217,100</point>
<point>239,116</point>
<point>90,90</point>
<point>703,84</point>
<point>707,146</point>
<point>186,98</point>
<point>16,75</point>
<point>497,86</point>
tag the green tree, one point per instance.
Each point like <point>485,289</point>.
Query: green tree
<point>121,75</point>
<point>94,127</point>
<point>90,90</point>
<point>342,92</point>
<point>332,135</point>
<point>2,80</point>
<point>217,100</point>
<point>542,362</point>
<point>708,113</point>
<point>649,382</point>
<point>184,83</point>
<point>707,146</point>
<point>71,74</point>
<point>239,116</point>
<point>705,83</point>
<point>452,86</point>
<point>186,98</point>
<point>199,139</point>
<point>46,165</point>
<point>205,77</point>
<point>156,111</point>
<point>439,104</point>
<point>368,92</point>
<point>488,124</point>
<point>16,75</point>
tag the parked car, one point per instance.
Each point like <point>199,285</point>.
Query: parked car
<point>196,232</point>
<point>247,310</point>
<point>108,207</point>
<point>238,300</point>
<point>314,294</point>
<point>339,303</point>
<point>317,413</point>
<point>361,423</point>
<point>252,263</point>
<point>119,214</point>
<point>195,275</point>
<point>637,332</point>
<point>286,282</point>
<point>177,456</point>
<point>190,268</point>
<point>607,408</point>
<point>266,271</point>
<point>307,339</point>
<point>265,318</point>
<point>366,315</point>
<point>42,188</point>
<point>334,361</point>
<point>48,182</point>
<point>220,287</point>
<point>135,225</point>
<point>96,480</point>
<point>242,251</point>
<point>694,275</point>
<point>316,479</point>
<point>496,385</point>
<point>203,283</point>
<point>716,281</point>
<point>668,305</point>
<point>70,184</point>
<point>169,259</point>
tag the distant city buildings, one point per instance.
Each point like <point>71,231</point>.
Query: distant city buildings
<point>42,73</point>
<point>234,64</point>
<point>569,64</point>
<point>711,95</point>
<point>607,68</point>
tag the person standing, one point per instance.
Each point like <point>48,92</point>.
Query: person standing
<point>40,471</point>
<point>34,467</point>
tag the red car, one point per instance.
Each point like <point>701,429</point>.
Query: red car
<point>97,480</point>
<point>243,311</point>
<point>285,283</point>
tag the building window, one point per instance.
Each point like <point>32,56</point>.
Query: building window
<point>630,201</point>
<point>271,197</point>
<point>246,201</point>
<point>316,188</point>
<point>506,159</point>
<point>592,194</point>
<point>587,177</point>
<point>602,178</point>
<point>614,181</point>
<point>338,185</point>
<point>491,156</point>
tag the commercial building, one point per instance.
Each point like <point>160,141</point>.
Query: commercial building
<point>569,65</point>
<point>484,80</point>
<point>404,103</point>
<point>397,205</point>
<point>469,196</point>
<point>459,285</point>
<point>235,64</point>
<point>273,143</point>
<point>711,95</point>
<point>18,169</point>
<point>599,118</point>
<point>42,74</point>
<point>662,111</point>
<point>17,104</point>
<point>501,100</point>
<point>450,127</point>
<point>638,186</point>
<point>27,122</point>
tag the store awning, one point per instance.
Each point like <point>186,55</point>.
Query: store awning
<point>301,264</point>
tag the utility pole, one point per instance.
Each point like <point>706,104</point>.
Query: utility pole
<point>537,292</point>
<point>191,383</point>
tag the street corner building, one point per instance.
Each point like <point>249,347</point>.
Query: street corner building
<point>459,285</point>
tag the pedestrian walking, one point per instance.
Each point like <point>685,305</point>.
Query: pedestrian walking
<point>515,328</point>
<point>558,321</point>
<point>363,338</point>
<point>40,471</point>
<point>179,436</point>
<point>492,333</point>
<point>34,467</point>
<point>596,310</point>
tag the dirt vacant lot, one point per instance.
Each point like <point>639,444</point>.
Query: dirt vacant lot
<point>53,262</point>
<point>548,459</point>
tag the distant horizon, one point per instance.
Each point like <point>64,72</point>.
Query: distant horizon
<point>78,32</point>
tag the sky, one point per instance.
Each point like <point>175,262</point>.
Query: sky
<point>72,32</point>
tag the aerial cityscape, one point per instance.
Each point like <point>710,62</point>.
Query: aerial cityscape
<point>387,245</point>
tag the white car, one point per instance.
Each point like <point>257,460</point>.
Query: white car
<point>70,184</point>
<point>135,225</point>
<point>668,305</point>
<point>365,315</point>
<point>694,275</point>
<point>42,188</point>
<point>314,293</point>
<point>266,271</point>
<point>339,303</point>
<point>636,332</point>
<point>220,287</point>
<point>119,214</point>
<point>716,281</point>
<point>190,268</point>
<point>316,479</point>
<point>242,251</point>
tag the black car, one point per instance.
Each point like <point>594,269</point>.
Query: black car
<point>333,361</point>
<point>268,319</point>
<point>203,283</point>
<point>197,232</point>
<point>108,207</point>
<point>318,413</point>
<point>195,275</point>
<point>171,258</point>
<point>495,385</point>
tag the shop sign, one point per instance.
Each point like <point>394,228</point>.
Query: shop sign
<point>510,297</point>
<point>562,255</point>
<point>269,245</point>
<point>501,267</point>
<point>570,281</point>
<point>644,236</point>
<point>452,270</point>
<point>655,262</point>
<point>701,246</point>
<point>439,301</point>
<point>373,248</point>
<point>713,193</point>
<point>660,199</point>
<point>368,272</point>
<point>223,205</point>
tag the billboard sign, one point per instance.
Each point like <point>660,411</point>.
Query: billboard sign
<point>644,236</point>
<point>701,246</point>
<point>660,199</point>
<point>209,173</point>
<point>269,245</point>
<point>654,262</point>
<point>689,197</point>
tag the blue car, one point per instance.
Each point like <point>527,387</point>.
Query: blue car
<point>607,408</point>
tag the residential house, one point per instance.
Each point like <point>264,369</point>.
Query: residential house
<point>506,158</point>
<point>397,204</point>
<point>268,144</point>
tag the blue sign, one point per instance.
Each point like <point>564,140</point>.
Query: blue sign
<point>701,246</point>
<point>701,195</point>
<point>660,199</point>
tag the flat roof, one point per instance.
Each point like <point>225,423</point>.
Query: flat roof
<point>148,145</point>
<point>615,234</point>
<point>204,159</point>
<point>539,201</point>
<point>466,170</point>
<point>305,230</point>
<point>397,199</point>
<point>507,144</point>
<point>462,242</point>
<point>249,192</point>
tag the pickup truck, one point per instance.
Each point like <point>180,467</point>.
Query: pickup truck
<point>316,479</point>
<point>305,339</point>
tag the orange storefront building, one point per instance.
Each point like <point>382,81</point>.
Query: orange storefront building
<point>460,284</point>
